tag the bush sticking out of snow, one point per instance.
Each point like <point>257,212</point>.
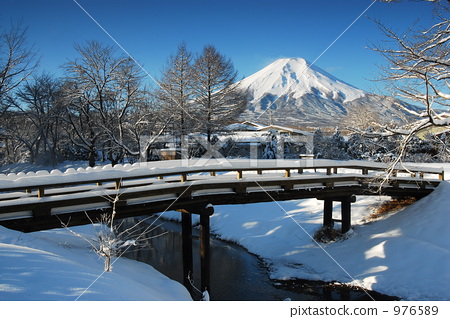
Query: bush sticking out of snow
<point>54,265</point>
<point>391,206</point>
<point>326,234</point>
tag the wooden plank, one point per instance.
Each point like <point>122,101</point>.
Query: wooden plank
<point>41,192</point>
<point>240,189</point>
<point>328,184</point>
<point>287,186</point>
<point>43,204</point>
<point>199,185</point>
<point>189,170</point>
<point>287,173</point>
<point>41,211</point>
<point>79,218</point>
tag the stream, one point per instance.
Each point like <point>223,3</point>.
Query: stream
<point>236,274</point>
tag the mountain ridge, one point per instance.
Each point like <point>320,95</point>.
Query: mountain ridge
<point>291,91</point>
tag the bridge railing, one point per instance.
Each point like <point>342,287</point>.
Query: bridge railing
<point>23,196</point>
<point>117,178</point>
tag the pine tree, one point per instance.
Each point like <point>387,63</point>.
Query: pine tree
<point>318,142</point>
<point>270,148</point>
<point>337,147</point>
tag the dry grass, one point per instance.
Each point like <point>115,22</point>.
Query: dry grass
<point>326,234</point>
<point>393,205</point>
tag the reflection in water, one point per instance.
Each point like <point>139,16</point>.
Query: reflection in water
<point>235,273</point>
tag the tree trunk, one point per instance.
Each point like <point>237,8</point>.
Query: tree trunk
<point>92,157</point>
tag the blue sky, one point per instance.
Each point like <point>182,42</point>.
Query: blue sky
<point>251,33</point>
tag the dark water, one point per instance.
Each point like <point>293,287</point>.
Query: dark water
<point>235,273</point>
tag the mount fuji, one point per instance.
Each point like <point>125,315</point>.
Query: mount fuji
<point>293,92</point>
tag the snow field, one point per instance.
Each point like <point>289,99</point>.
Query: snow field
<point>405,254</point>
<point>55,265</point>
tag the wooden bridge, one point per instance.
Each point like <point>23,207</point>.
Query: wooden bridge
<point>43,200</point>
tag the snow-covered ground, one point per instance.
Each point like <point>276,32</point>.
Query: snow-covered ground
<point>406,254</point>
<point>56,265</point>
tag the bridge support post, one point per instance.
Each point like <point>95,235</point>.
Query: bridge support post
<point>346,205</point>
<point>328,213</point>
<point>205,253</point>
<point>186,234</point>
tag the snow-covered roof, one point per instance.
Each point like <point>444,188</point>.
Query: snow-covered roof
<point>253,124</point>
<point>241,127</point>
<point>279,128</point>
<point>252,127</point>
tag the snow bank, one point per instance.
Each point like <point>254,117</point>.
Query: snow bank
<point>56,265</point>
<point>406,254</point>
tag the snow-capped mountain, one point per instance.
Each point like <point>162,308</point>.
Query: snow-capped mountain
<point>292,91</point>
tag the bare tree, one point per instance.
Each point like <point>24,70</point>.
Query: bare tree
<point>19,138</point>
<point>361,117</point>
<point>128,97</point>
<point>177,89</point>
<point>101,92</point>
<point>111,239</point>
<point>17,61</point>
<point>218,98</point>
<point>418,69</point>
<point>145,125</point>
<point>37,103</point>
<point>418,66</point>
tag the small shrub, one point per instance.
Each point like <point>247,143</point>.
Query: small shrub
<point>326,234</point>
<point>393,205</point>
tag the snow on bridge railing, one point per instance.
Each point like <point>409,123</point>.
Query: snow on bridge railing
<point>43,193</point>
<point>118,174</point>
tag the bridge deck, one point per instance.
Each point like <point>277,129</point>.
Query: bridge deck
<point>30,202</point>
